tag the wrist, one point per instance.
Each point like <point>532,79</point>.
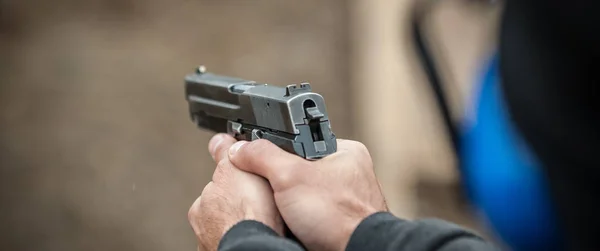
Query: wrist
<point>371,232</point>
<point>244,229</point>
<point>346,233</point>
<point>354,216</point>
<point>274,222</point>
<point>348,229</point>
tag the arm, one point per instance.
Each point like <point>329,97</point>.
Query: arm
<point>383,231</point>
<point>336,203</point>
<point>253,235</point>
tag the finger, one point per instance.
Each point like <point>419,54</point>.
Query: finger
<point>218,146</point>
<point>223,171</point>
<point>264,158</point>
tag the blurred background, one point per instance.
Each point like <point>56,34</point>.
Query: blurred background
<point>97,151</point>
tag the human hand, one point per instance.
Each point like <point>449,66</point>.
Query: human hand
<point>323,201</point>
<point>232,196</point>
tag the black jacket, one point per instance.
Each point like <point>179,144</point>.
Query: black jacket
<point>380,231</point>
<point>549,53</point>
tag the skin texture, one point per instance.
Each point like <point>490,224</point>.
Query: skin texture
<point>323,201</point>
<point>232,196</point>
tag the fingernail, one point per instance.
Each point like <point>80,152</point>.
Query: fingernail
<point>236,147</point>
<point>214,143</point>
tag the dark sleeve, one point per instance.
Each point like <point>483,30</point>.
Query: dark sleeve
<point>383,231</point>
<point>253,235</point>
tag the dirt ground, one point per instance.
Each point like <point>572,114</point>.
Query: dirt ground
<point>97,151</point>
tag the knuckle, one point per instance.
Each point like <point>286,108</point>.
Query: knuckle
<point>207,188</point>
<point>359,152</point>
<point>252,151</point>
<point>357,147</point>
<point>222,164</point>
<point>361,147</point>
<point>257,147</point>
<point>364,152</point>
<point>291,177</point>
<point>220,170</point>
<point>192,212</point>
<point>285,178</point>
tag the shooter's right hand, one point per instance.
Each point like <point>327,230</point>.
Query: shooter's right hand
<point>323,201</point>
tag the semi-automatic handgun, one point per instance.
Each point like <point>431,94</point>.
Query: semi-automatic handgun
<point>293,117</point>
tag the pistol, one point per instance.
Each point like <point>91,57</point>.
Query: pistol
<point>293,117</point>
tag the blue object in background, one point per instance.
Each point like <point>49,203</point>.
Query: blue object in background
<point>504,179</point>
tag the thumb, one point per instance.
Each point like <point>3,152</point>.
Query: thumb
<point>264,158</point>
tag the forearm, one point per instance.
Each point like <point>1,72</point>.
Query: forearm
<point>383,231</point>
<point>253,235</point>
